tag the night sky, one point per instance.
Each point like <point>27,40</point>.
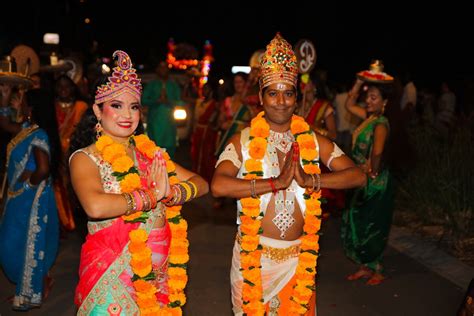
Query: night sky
<point>432,46</point>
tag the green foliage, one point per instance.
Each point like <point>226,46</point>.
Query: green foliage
<point>439,187</point>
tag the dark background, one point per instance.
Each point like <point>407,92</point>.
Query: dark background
<point>432,43</point>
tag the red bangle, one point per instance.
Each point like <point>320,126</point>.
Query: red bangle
<point>272,184</point>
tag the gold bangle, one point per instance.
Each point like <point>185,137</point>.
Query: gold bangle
<point>314,182</point>
<point>130,203</point>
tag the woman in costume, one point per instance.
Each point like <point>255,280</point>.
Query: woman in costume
<point>367,219</point>
<point>319,114</point>
<point>134,259</point>
<point>317,110</point>
<point>160,96</point>
<point>235,114</point>
<point>29,231</point>
<point>69,111</point>
<point>203,141</point>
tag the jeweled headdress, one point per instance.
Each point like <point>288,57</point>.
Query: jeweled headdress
<point>123,79</point>
<point>279,63</point>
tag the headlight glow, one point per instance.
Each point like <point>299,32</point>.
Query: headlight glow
<point>179,114</point>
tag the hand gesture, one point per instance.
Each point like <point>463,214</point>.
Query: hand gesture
<point>300,176</point>
<point>283,181</point>
<point>158,176</point>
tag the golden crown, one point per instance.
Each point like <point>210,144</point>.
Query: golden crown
<point>279,63</point>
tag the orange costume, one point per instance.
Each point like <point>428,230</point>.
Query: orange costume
<point>68,116</point>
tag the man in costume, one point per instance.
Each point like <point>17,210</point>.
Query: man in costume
<point>273,168</point>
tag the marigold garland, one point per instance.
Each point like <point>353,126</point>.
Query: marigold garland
<point>251,216</point>
<point>128,177</point>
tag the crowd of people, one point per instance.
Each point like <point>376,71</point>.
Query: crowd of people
<point>273,144</point>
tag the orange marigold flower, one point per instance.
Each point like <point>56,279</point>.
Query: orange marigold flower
<point>250,293</point>
<point>307,259</point>
<point>312,204</point>
<point>138,235</point>
<point>122,164</point>
<point>171,213</point>
<point>254,308</point>
<point>303,292</point>
<point>250,202</point>
<point>259,128</point>
<point>170,167</point>
<point>252,165</point>
<point>148,148</point>
<point>297,118</point>
<point>304,283</point>
<point>144,254</point>
<point>102,142</point>
<point>174,180</point>
<point>140,262</point>
<point>257,148</point>
<point>144,287</point>
<point>172,271</point>
<point>177,297</point>
<point>113,151</point>
<point>298,126</point>
<point>309,242</point>
<point>306,141</point>
<point>179,259</point>
<point>182,243</point>
<point>181,225</point>
<point>312,169</point>
<point>249,226</point>
<point>135,247</point>
<point>249,260</point>
<point>250,176</point>
<point>165,155</point>
<point>143,272</point>
<point>178,282</point>
<point>146,301</point>
<point>130,183</point>
<point>249,243</point>
<point>251,211</point>
<point>308,154</point>
<point>132,216</point>
<point>312,225</point>
<point>253,275</point>
<point>140,139</point>
<point>180,234</point>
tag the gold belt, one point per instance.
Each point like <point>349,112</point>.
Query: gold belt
<point>278,255</point>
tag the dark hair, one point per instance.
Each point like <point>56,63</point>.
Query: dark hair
<point>44,115</point>
<point>242,74</point>
<point>384,89</point>
<point>76,93</point>
<point>85,134</point>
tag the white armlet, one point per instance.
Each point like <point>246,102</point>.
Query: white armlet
<point>230,154</point>
<point>336,152</point>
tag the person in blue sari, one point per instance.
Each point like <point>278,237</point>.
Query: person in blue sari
<point>29,229</point>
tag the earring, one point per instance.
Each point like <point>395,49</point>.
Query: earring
<point>98,130</point>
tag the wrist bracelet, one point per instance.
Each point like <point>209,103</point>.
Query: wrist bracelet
<point>318,187</point>
<point>253,194</point>
<point>27,184</point>
<point>272,184</point>
<point>313,182</point>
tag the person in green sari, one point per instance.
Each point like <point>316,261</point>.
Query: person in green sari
<point>367,219</point>
<point>235,113</point>
<point>160,96</point>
